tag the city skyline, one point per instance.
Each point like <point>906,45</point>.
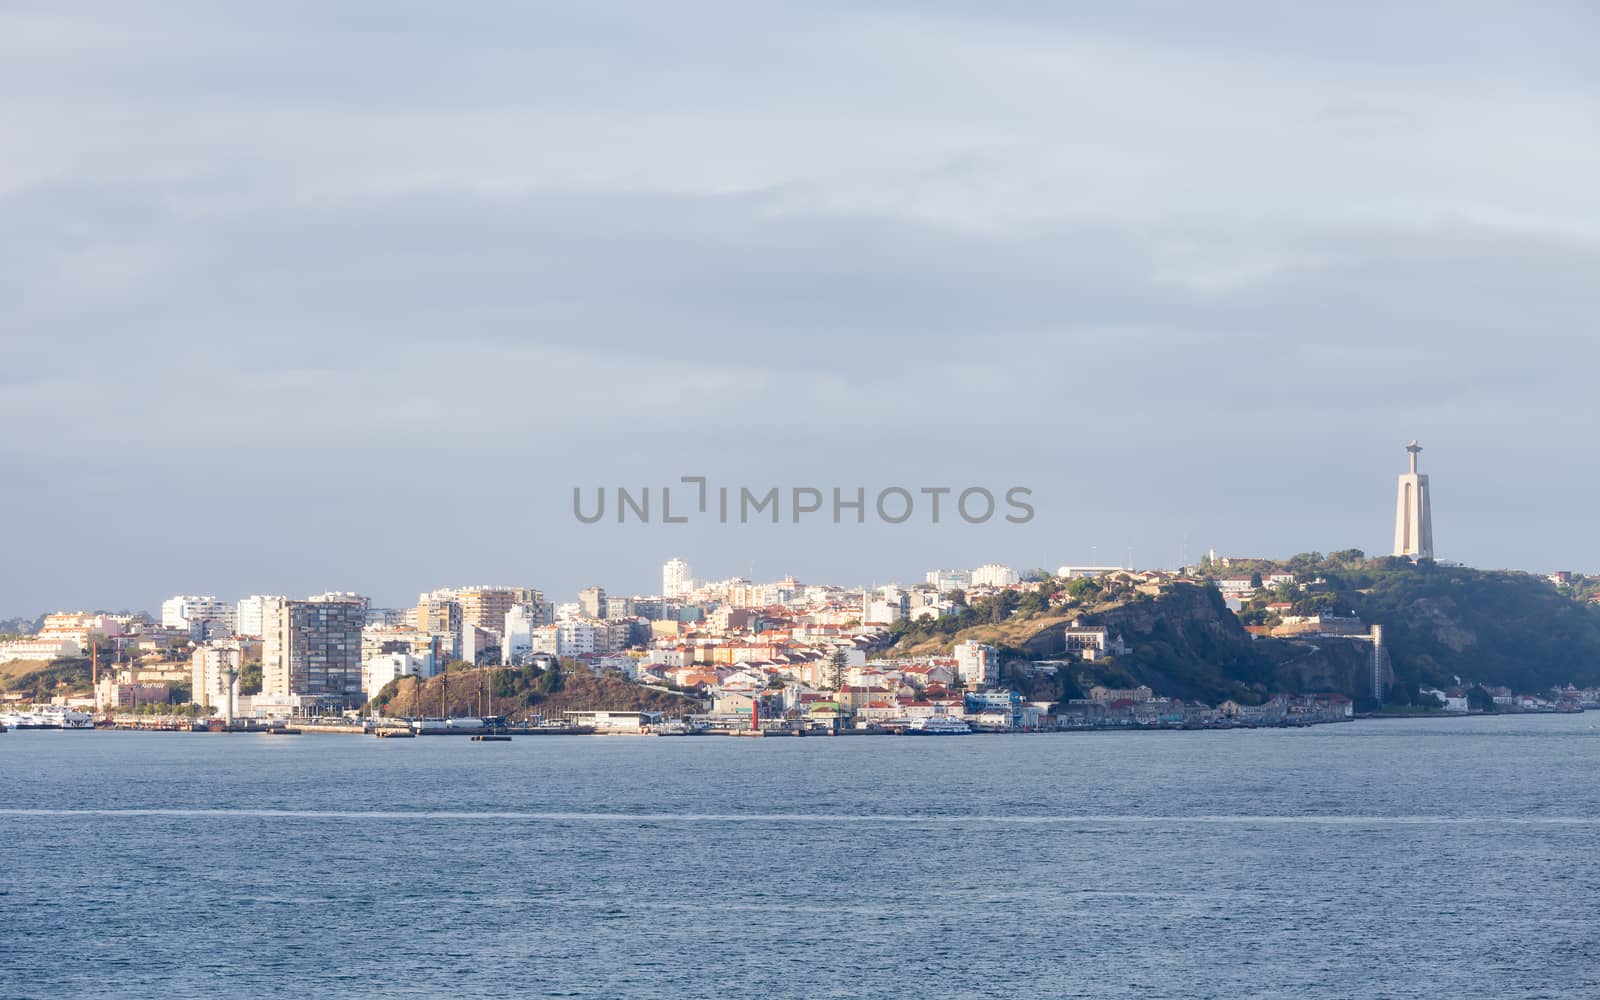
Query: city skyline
<point>676,566</point>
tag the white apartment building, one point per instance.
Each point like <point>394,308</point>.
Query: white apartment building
<point>247,614</point>
<point>664,657</point>
<point>386,667</point>
<point>994,575</point>
<point>82,627</point>
<point>35,647</point>
<point>575,637</point>
<point>343,597</point>
<point>516,637</point>
<point>214,671</point>
<point>977,664</point>
<point>676,578</point>
<point>191,612</point>
<point>881,612</point>
<point>544,640</point>
<point>946,580</point>
<point>618,607</point>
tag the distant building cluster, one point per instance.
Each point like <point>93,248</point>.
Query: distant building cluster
<point>781,652</point>
<point>795,650</point>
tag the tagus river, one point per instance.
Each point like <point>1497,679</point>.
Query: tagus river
<point>1397,859</point>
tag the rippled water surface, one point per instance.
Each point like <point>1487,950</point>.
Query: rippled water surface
<point>1398,859</point>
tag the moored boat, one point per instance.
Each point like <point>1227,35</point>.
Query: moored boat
<point>49,718</point>
<point>939,725</point>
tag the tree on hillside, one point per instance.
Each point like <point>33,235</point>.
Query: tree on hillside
<point>250,678</point>
<point>1083,589</point>
<point>1036,601</point>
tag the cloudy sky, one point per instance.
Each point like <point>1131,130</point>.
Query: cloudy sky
<point>300,298</point>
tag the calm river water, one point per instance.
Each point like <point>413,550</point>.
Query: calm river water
<point>1397,859</point>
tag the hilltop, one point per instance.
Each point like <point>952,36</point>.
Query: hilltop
<point>1185,642</point>
<point>1499,627</point>
<point>1441,623</point>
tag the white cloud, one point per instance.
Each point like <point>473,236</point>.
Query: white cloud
<point>846,238</point>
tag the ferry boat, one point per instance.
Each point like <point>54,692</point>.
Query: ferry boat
<point>50,718</point>
<point>939,725</point>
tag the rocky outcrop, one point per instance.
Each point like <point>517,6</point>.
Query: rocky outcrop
<point>1327,664</point>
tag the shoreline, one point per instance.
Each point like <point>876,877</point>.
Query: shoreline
<point>501,733</point>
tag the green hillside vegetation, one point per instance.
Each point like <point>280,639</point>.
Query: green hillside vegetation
<point>42,680</point>
<point>1185,644</point>
<point>526,692</point>
<point>1487,627</point>
<point>1496,627</point>
<point>1581,588</point>
<point>1185,641</point>
<point>1007,619</point>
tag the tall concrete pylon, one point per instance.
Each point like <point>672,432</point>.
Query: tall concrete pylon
<point>1413,512</point>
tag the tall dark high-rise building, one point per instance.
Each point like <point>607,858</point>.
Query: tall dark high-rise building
<point>312,650</point>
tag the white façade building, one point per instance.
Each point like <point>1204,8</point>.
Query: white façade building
<point>577,637</point>
<point>386,667</point>
<point>35,647</point>
<point>1091,642</point>
<point>977,664</point>
<point>193,613</point>
<point>214,669</point>
<point>516,639</point>
<point>994,575</point>
<point>528,633</point>
<point>572,637</point>
<point>247,614</point>
<point>946,580</point>
<point>676,578</point>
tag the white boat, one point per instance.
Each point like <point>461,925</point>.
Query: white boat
<point>464,722</point>
<point>49,718</point>
<point>939,725</point>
